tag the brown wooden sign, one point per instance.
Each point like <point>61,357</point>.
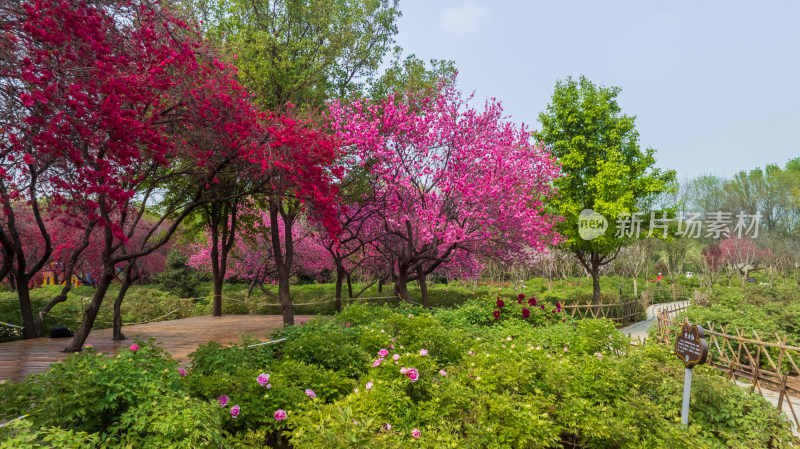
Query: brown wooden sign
<point>690,346</point>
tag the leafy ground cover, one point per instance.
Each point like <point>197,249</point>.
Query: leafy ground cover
<point>392,377</point>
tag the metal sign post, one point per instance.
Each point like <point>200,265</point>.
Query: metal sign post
<point>692,349</point>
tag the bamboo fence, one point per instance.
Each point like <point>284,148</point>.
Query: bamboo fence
<point>623,313</point>
<point>770,366</point>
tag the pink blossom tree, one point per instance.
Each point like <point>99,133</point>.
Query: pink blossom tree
<point>448,177</point>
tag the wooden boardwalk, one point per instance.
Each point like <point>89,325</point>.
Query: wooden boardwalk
<point>178,337</point>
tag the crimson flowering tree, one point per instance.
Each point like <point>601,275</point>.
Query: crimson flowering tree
<point>742,256</point>
<point>712,261</point>
<point>354,247</point>
<point>110,106</point>
<point>252,256</point>
<point>301,169</point>
<point>448,177</point>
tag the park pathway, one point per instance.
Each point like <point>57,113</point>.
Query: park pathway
<point>638,331</point>
<point>178,337</point>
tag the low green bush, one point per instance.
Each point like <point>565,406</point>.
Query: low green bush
<point>386,377</point>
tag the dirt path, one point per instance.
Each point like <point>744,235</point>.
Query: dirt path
<point>178,337</point>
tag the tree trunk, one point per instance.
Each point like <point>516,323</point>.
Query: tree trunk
<point>380,285</point>
<point>400,286</point>
<point>117,331</point>
<point>31,329</point>
<point>423,288</point>
<point>283,259</point>
<point>635,288</point>
<point>339,282</point>
<point>595,272</point>
<point>349,286</point>
<point>90,314</point>
<point>218,280</point>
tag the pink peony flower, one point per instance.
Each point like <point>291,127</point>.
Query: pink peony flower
<point>391,346</point>
<point>268,386</point>
<point>383,352</point>
<point>280,415</point>
<point>310,393</point>
<point>347,325</point>
<point>396,357</point>
<point>182,372</point>
<point>410,316</point>
<point>134,347</point>
<point>88,345</point>
<point>369,386</point>
<point>377,363</point>
<point>235,411</point>
<point>412,374</point>
<point>416,433</point>
<point>263,379</point>
<point>423,352</point>
<point>598,355</point>
<point>565,349</point>
<point>442,373</point>
<point>388,426</point>
<point>403,370</point>
<point>223,400</point>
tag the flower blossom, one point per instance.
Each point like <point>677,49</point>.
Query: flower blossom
<point>396,357</point>
<point>280,415</point>
<point>310,393</point>
<point>223,400</point>
<point>368,386</point>
<point>520,297</point>
<point>377,363</point>
<point>263,379</point>
<point>423,352</point>
<point>500,303</point>
<point>415,433</point>
<point>134,347</point>
<point>412,374</point>
<point>403,370</point>
<point>182,372</point>
<point>442,373</point>
<point>496,314</point>
<point>532,301</point>
<point>235,411</point>
<point>383,352</point>
<point>526,313</point>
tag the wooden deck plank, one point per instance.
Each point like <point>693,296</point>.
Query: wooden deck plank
<point>179,337</point>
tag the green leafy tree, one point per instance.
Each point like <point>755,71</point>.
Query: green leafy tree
<point>604,169</point>
<point>300,51</point>
<point>178,278</point>
<point>411,74</point>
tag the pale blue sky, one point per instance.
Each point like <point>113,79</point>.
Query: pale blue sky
<point>715,85</point>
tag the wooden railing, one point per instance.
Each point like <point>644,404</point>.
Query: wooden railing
<point>623,313</point>
<point>771,367</point>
